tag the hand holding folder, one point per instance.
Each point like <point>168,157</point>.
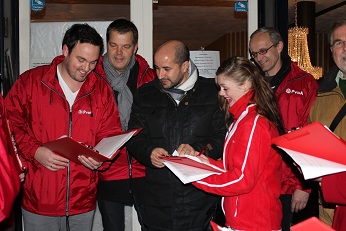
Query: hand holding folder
<point>105,150</point>
<point>190,168</point>
<point>316,149</point>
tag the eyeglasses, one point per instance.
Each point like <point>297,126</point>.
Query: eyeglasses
<point>338,44</point>
<point>261,52</point>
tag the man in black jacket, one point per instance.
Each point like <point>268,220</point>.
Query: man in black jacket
<point>177,111</point>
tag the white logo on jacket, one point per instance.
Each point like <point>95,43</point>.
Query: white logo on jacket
<point>84,112</point>
<point>289,91</point>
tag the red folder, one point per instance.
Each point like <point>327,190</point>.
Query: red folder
<point>315,140</point>
<point>71,149</point>
<point>311,224</point>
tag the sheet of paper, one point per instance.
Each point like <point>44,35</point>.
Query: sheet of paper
<point>188,174</point>
<point>314,167</point>
<point>107,146</point>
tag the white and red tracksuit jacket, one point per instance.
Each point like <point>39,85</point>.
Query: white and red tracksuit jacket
<point>251,186</point>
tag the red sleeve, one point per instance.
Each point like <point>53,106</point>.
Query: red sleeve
<point>9,180</point>
<point>246,157</point>
<point>334,188</point>
<point>16,108</point>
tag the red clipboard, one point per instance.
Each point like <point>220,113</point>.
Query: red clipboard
<point>311,224</point>
<point>71,149</point>
<point>315,140</point>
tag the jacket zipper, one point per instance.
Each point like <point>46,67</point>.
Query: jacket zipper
<point>70,135</point>
<point>139,83</point>
<point>68,165</point>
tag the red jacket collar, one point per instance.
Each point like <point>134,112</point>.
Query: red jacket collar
<point>238,107</point>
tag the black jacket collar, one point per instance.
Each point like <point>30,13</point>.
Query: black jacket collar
<point>282,73</point>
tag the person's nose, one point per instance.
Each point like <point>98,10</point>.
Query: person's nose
<point>118,51</point>
<point>160,73</point>
<point>259,56</point>
<point>86,66</point>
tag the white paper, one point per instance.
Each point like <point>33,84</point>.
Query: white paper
<point>108,146</point>
<point>188,174</point>
<point>314,167</point>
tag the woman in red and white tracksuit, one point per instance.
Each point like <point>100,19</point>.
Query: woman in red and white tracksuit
<point>251,186</point>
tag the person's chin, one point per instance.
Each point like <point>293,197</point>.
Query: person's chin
<point>166,84</point>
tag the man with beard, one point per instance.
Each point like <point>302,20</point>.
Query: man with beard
<point>177,111</point>
<point>295,91</point>
<point>47,102</point>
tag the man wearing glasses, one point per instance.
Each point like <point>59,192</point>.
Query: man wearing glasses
<point>329,109</point>
<point>295,92</point>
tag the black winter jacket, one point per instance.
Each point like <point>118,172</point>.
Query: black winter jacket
<point>197,120</point>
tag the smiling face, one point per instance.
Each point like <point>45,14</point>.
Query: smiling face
<point>270,62</point>
<point>231,90</point>
<point>80,61</point>
<point>339,52</point>
<point>120,49</point>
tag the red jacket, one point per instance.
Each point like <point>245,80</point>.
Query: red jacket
<point>251,185</point>
<point>334,191</point>
<point>9,180</point>
<point>295,95</point>
<point>119,168</point>
<point>39,112</point>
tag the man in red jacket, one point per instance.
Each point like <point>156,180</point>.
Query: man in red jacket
<point>126,71</point>
<point>295,91</point>
<point>47,102</point>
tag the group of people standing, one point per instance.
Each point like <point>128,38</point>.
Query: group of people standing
<point>88,95</point>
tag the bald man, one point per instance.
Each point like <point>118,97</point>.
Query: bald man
<point>177,111</point>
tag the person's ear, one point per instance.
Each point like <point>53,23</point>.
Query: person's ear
<point>280,46</point>
<point>185,66</point>
<point>65,50</point>
<point>136,49</point>
<point>246,86</point>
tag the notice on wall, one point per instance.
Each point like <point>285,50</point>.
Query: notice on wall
<point>46,39</point>
<point>207,62</point>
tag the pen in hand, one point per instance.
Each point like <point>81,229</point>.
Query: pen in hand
<point>203,151</point>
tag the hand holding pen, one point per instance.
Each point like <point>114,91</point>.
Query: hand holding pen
<point>206,148</point>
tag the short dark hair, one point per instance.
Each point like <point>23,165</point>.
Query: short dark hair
<point>82,33</point>
<point>334,27</point>
<point>182,53</point>
<point>274,34</point>
<point>123,26</point>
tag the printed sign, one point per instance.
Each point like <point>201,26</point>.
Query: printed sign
<point>240,6</point>
<point>37,5</point>
<point>207,62</point>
